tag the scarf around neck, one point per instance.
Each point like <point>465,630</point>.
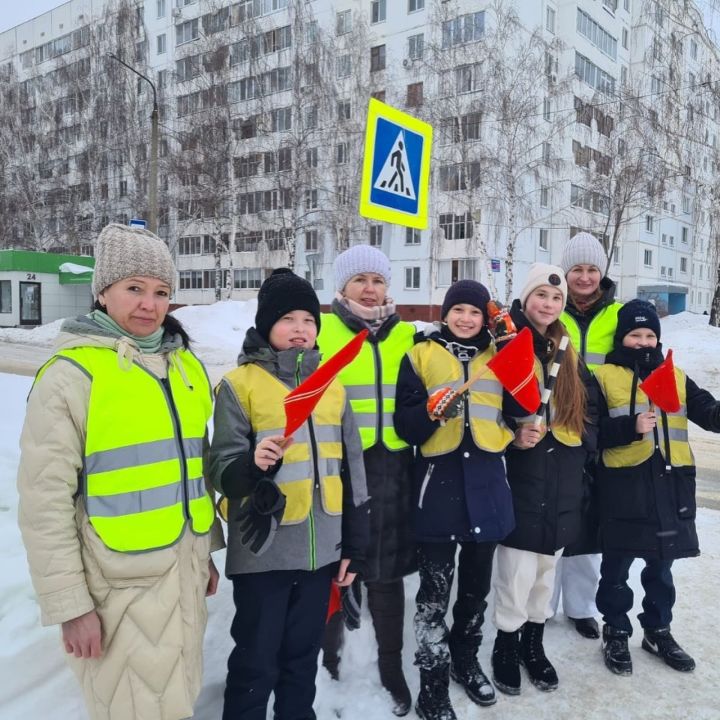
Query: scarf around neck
<point>374,316</point>
<point>147,345</point>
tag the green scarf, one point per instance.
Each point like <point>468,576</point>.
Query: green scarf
<point>147,345</point>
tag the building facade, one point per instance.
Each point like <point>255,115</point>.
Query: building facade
<point>549,118</point>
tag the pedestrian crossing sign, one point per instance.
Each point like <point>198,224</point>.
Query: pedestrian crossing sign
<point>396,169</point>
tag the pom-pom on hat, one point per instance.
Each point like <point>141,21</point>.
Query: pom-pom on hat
<point>636,314</point>
<point>468,292</point>
<point>281,293</point>
<point>583,249</point>
<point>122,251</point>
<point>541,274</point>
<point>360,259</point>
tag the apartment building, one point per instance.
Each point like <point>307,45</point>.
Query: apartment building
<point>549,117</point>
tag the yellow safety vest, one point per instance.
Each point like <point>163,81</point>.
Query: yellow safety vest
<point>142,470</point>
<point>438,368</point>
<point>261,396</point>
<point>561,434</point>
<point>616,384</point>
<point>370,379</point>
<point>597,342</point>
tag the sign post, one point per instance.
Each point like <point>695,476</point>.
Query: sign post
<point>396,169</point>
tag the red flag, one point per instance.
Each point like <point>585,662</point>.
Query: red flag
<point>660,386</point>
<point>335,604</point>
<point>514,367</point>
<point>302,400</point>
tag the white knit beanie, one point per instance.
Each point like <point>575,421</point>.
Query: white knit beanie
<point>583,249</point>
<point>123,251</point>
<point>360,259</point>
<point>541,274</point>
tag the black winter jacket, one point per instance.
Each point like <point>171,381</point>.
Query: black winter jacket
<point>547,480</point>
<point>466,496</point>
<point>647,511</point>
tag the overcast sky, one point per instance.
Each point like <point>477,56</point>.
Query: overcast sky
<point>14,13</point>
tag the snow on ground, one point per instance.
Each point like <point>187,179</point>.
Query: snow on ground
<point>37,683</point>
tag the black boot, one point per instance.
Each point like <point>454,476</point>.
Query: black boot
<point>661,643</point>
<point>587,627</point>
<point>532,655</point>
<point>386,602</point>
<point>433,702</point>
<point>615,650</point>
<point>465,669</point>
<point>331,644</point>
<point>506,662</point>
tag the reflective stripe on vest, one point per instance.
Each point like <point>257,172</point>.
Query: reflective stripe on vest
<point>597,341</point>
<point>261,396</point>
<point>561,434</point>
<point>371,398</point>
<point>616,385</point>
<point>438,368</point>
<point>142,475</point>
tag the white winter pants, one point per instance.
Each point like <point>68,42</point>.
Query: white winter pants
<point>577,578</point>
<point>523,585</point>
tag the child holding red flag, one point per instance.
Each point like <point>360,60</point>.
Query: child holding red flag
<point>297,510</point>
<point>460,491</point>
<point>544,469</point>
<point>646,484</point>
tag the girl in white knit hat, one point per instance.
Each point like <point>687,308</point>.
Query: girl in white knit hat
<point>544,469</point>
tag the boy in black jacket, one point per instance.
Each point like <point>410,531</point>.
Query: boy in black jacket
<point>646,485</point>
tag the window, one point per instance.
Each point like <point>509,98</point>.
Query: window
<point>663,239</point>
<point>450,271</point>
<point>672,241</point>
<point>188,68</point>
<point>596,34</point>
<point>663,271</point>
<point>311,199</point>
<point>281,119</point>
<point>412,278</point>
<point>378,95</point>
<point>456,227</point>
<point>683,265</point>
<point>616,254</point>
<point>160,4</point>
<point>311,157</point>
<point>546,109</point>
<point>693,49</point>
<point>463,29</point>
<point>5,296</point>
<point>378,11</point>
<point>344,66</point>
<point>625,38</point>
<point>123,188</point>
<point>543,241</point>
<point>544,194</point>
<point>343,22</point>
<point>311,241</point>
<point>310,117</point>
<point>187,31</point>
<point>686,204</point>
<point>247,278</point>
<point>416,46</point>
<point>593,75</point>
<point>414,95</point>
<point>342,152</point>
<point>414,5</point>
<point>376,235</point>
<point>684,236</point>
<point>649,223</point>
<point>161,44</point>
<point>550,19</point>
<point>546,152</point>
<point>412,236</point>
<point>377,58</point>
<point>647,258</point>
<point>343,110</point>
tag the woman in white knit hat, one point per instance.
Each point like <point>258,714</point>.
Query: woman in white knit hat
<point>114,511</point>
<point>362,279</point>
<point>544,470</point>
<point>590,318</point>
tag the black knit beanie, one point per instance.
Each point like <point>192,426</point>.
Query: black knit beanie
<point>466,291</point>
<point>636,314</point>
<point>280,294</point>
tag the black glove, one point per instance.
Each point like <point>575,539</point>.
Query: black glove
<point>260,516</point>
<point>351,601</point>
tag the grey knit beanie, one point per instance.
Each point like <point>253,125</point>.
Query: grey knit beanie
<point>583,249</point>
<point>360,259</point>
<point>123,251</point>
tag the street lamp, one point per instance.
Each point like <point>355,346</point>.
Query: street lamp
<point>154,131</point>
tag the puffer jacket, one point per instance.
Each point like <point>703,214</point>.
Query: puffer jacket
<point>321,538</point>
<point>151,605</point>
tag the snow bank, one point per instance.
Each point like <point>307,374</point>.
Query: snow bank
<point>41,336</point>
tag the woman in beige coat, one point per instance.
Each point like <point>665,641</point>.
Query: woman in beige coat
<point>114,511</point>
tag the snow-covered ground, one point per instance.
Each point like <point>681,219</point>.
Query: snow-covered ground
<point>37,684</point>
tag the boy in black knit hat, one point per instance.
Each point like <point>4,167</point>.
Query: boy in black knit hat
<point>297,513</point>
<point>646,488</point>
